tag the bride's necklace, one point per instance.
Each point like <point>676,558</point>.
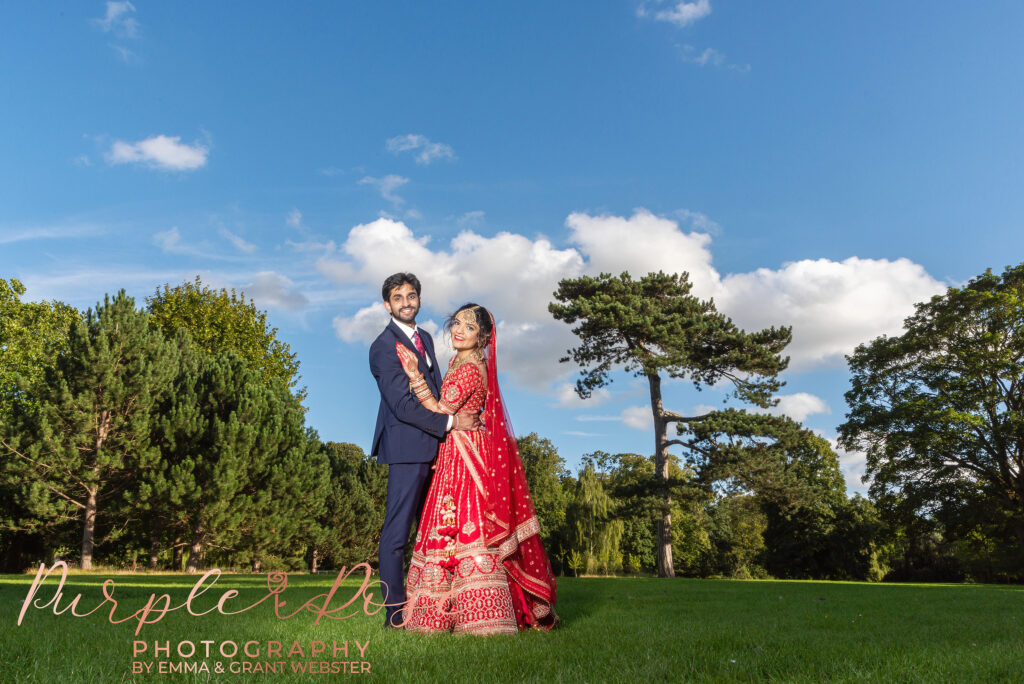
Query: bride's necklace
<point>475,356</point>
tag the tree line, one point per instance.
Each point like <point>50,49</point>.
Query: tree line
<point>173,436</point>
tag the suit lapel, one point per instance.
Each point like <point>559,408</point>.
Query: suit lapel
<point>428,344</point>
<point>422,364</point>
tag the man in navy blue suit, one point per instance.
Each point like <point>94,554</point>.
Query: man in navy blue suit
<point>407,435</point>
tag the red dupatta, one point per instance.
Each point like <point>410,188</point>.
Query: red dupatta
<point>510,520</point>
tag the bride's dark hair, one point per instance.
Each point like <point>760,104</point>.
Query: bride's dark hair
<point>483,321</point>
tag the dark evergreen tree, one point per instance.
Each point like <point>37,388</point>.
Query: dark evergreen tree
<point>349,528</point>
<point>33,335</point>
<point>240,473</point>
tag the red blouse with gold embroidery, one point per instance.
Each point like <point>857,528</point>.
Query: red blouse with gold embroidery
<point>464,389</point>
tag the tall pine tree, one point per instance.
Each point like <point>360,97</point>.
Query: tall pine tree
<point>654,326</point>
<point>88,433</point>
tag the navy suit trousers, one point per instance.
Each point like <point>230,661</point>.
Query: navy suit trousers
<point>407,490</point>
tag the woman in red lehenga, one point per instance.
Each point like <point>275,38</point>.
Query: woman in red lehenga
<point>478,565</point>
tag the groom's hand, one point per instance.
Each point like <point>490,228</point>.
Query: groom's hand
<point>467,421</point>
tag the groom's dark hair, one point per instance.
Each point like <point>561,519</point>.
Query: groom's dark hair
<point>398,280</point>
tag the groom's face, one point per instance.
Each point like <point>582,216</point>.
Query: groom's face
<point>403,303</point>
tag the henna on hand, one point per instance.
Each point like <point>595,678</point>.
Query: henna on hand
<point>410,364</point>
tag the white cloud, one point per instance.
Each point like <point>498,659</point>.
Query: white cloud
<point>363,326</point>
<point>161,152</point>
<point>83,288</point>
<point>510,274</point>
<point>638,417</point>
<point>680,14</point>
<point>172,241</point>
<point>124,54</point>
<point>641,244</point>
<point>425,150</point>
<point>119,20</point>
<point>798,406</point>
<point>832,306</point>
<point>240,243</point>
<point>387,186</point>
<point>710,57</point>
<point>699,222</point>
<point>470,218</point>
<point>276,291</point>
<point>312,246</point>
<point>707,56</point>
<point>294,218</point>
<point>853,465</point>
<point>567,397</point>
<point>169,241</point>
<point>10,236</point>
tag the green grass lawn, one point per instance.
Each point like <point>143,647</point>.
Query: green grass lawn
<point>613,629</point>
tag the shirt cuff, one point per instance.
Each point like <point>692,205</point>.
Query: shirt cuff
<point>451,419</point>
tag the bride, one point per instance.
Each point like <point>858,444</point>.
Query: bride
<point>478,565</point>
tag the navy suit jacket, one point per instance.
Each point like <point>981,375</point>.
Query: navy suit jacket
<point>405,432</point>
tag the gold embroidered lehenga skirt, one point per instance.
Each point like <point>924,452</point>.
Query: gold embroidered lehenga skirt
<point>456,583</point>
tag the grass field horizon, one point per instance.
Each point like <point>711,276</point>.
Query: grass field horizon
<point>613,629</point>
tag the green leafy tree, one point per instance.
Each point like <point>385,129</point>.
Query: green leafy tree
<point>32,336</point>
<point>636,502</point>
<point>593,529</point>
<point>545,472</point>
<point>89,433</point>
<point>653,327</point>
<point>941,406</point>
<point>737,537</point>
<point>853,548</point>
<point>219,320</point>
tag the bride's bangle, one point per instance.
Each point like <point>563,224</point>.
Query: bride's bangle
<point>419,387</point>
<point>422,391</point>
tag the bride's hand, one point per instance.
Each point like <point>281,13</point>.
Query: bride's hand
<point>410,364</point>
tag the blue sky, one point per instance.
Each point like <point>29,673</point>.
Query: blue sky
<point>824,165</point>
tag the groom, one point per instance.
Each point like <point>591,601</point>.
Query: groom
<point>407,435</point>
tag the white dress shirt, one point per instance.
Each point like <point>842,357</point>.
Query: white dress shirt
<point>409,330</point>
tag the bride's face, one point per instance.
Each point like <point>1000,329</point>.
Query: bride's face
<point>465,331</point>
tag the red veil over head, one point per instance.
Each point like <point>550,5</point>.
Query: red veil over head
<point>510,520</point>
